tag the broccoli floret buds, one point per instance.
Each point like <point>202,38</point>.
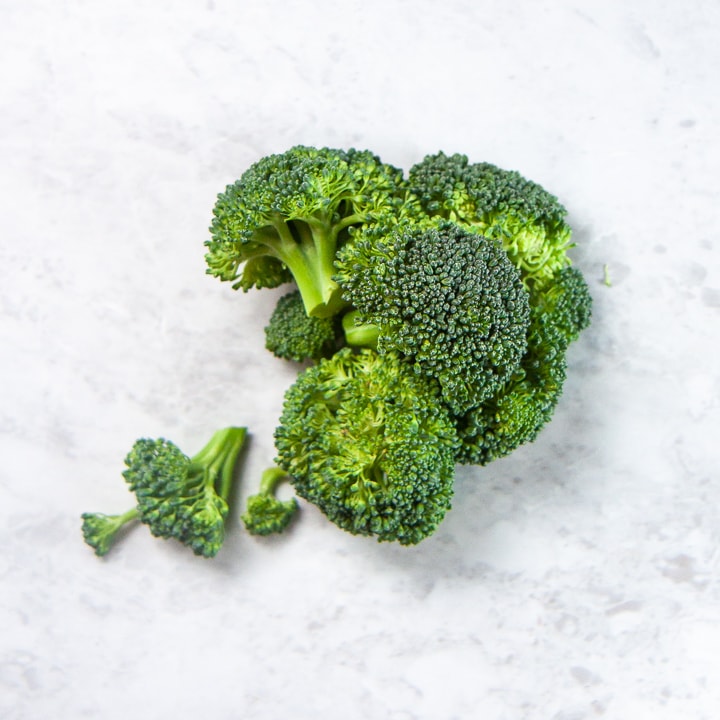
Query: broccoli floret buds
<point>369,441</point>
<point>100,531</point>
<point>179,497</point>
<point>446,299</point>
<point>265,513</point>
<point>292,334</point>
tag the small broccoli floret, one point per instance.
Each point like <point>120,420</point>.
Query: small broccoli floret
<point>183,497</point>
<point>517,413</point>
<point>448,300</point>
<point>286,216</point>
<point>100,531</point>
<point>528,220</point>
<point>370,443</point>
<point>292,334</point>
<point>265,513</point>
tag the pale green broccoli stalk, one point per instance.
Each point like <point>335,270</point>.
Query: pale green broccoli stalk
<point>265,513</point>
<point>292,334</point>
<point>179,497</point>
<point>100,531</point>
<point>286,216</point>
<point>369,441</point>
<point>447,300</point>
<point>528,220</point>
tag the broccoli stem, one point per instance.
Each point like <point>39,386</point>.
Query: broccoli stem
<point>217,459</point>
<point>270,479</point>
<point>308,247</point>
<point>359,334</point>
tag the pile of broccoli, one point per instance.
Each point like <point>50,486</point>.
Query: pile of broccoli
<point>431,316</point>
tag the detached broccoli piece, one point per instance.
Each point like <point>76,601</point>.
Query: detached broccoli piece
<point>265,514</point>
<point>292,334</point>
<point>286,216</point>
<point>100,531</point>
<point>522,407</point>
<point>179,497</point>
<point>528,220</point>
<point>446,299</point>
<point>370,443</point>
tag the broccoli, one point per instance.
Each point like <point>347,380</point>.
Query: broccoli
<point>286,216</point>
<point>528,220</point>
<point>434,313</point>
<point>265,513</point>
<point>445,298</point>
<point>370,443</point>
<point>292,334</point>
<point>100,530</point>
<point>179,497</point>
<point>516,414</point>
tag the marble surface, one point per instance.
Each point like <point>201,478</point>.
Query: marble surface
<point>577,579</point>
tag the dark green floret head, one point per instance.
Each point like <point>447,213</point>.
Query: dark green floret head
<point>446,299</point>
<point>294,335</point>
<point>182,497</point>
<point>370,443</point>
<point>526,218</point>
<point>519,410</point>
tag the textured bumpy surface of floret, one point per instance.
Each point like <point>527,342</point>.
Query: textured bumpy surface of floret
<point>287,214</point>
<point>528,220</point>
<point>446,299</point>
<point>369,442</point>
<point>181,497</point>
<point>292,334</point>
<point>517,413</point>
<point>265,513</point>
<point>100,530</point>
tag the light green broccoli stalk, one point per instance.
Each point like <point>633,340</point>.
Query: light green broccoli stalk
<point>179,497</point>
<point>265,513</point>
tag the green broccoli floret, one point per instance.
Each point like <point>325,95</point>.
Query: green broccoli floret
<point>517,413</point>
<point>100,531</point>
<point>265,513</point>
<point>292,334</point>
<point>446,299</point>
<point>370,443</point>
<point>286,216</point>
<point>179,497</point>
<point>528,220</point>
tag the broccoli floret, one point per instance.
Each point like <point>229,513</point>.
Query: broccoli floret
<point>445,298</point>
<point>179,497</point>
<point>265,513</point>
<point>292,334</point>
<point>517,413</point>
<point>528,220</point>
<point>100,531</point>
<point>370,443</point>
<point>286,216</point>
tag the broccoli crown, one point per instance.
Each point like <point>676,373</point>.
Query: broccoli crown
<point>528,220</point>
<point>292,334</point>
<point>265,513</point>
<point>285,216</point>
<point>371,444</point>
<point>182,497</point>
<point>447,299</point>
<point>517,413</point>
<point>100,530</point>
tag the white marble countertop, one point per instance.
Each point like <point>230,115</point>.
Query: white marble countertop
<point>578,578</point>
